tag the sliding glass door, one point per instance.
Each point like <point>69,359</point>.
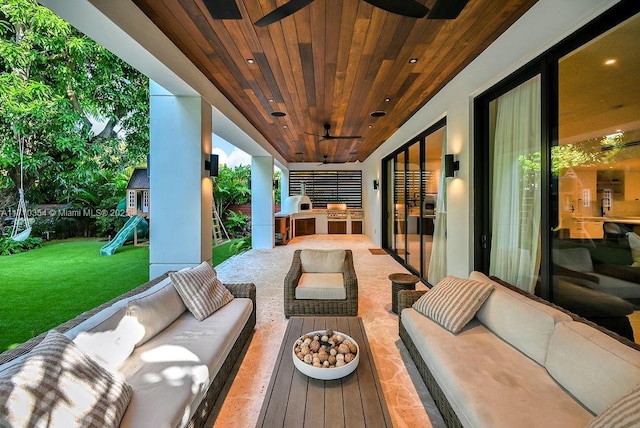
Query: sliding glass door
<point>415,206</point>
<point>557,175</point>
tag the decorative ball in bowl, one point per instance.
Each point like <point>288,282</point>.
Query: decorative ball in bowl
<point>326,354</point>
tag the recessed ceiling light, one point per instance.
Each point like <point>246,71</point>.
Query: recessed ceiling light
<point>270,100</point>
<point>378,113</point>
<point>251,60</point>
<point>386,100</point>
<point>278,114</point>
<point>413,60</point>
<point>370,126</point>
<point>610,61</point>
<point>285,126</point>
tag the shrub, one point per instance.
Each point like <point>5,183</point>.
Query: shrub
<point>8,246</point>
<point>241,245</point>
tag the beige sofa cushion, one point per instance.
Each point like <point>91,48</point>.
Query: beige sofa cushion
<point>519,320</point>
<point>201,290</point>
<point>453,301</point>
<point>322,261</point>
<point>488,382</point>
<point>592,366</point>
<point>171,373</point>
<point>154,312</point>
<point>110,341</point>
<point>321,286</point>
<point>57,385</point>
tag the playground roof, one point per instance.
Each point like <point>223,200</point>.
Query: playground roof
<point>139,179</point>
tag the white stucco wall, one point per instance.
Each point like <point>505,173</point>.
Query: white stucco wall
<point>544,25</point>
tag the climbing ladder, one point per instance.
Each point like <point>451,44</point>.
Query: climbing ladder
<point>220,235</point>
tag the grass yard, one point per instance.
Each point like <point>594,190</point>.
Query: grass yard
<point>45,287</point>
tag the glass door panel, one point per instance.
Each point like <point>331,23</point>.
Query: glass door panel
<point>400,207</point>
<point>434,214</point>
<point>596,173</point>
<point>413,199</point>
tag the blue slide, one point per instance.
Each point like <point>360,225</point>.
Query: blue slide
<point>125,234</point>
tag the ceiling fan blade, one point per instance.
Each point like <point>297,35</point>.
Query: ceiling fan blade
<point>342,137</point>
<point>410,8</point>
<point>223,9</point>
<point>447,9</point>
<point>282,12</point>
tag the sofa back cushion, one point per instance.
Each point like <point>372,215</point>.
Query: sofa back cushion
<point>154,312</point>
<point>322,261</point>
<point>595,368</point>
<point>578,259</point>
<point>522,322</point>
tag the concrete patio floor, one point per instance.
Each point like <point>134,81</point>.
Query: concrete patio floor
<point>409,402</point>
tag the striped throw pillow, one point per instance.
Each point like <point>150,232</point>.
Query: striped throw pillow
<point>201,290</point>
<point>623,413</point>
<point>57,385</point>
<point>453,302</point>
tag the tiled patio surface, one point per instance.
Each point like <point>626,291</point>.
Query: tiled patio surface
<point>409,402</point>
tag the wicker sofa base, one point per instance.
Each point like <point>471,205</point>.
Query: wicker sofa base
<point>438,396</point>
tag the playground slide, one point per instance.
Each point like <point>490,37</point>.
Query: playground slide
<point>121,237</point>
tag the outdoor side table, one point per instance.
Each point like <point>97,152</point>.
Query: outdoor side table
<point>401,281</point>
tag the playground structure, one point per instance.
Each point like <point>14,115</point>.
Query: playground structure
<point>137,207</point>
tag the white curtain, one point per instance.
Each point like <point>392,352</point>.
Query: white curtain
<point>515,200</point>
<point>438,261</point>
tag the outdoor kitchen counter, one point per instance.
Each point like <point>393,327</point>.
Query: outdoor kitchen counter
<point>323,216</point>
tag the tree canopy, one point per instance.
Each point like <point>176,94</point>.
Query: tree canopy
<point>83,112</point>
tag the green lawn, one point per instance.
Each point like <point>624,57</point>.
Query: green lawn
<point>45,287</point>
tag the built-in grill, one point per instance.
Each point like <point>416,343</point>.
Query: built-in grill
<point>336,211</point>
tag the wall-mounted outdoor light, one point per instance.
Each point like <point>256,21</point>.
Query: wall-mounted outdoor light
<point>450,165</point>
<point>376,184</point>
<point>211,165</point>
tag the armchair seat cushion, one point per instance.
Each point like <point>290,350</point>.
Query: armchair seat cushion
<point>321,286</point>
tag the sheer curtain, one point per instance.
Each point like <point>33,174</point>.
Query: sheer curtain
<point>438,261</point>
<point>515,200</point>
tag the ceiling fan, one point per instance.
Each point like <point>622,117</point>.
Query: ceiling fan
<point>325,161</point>
<point>328,136</point>
<point>443,9</point>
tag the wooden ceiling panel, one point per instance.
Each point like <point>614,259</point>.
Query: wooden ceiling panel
<point>331,62</point>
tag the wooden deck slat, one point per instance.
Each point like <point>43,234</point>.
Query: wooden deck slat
<point>294,400</point>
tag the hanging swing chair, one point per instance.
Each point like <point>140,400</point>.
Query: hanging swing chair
<point>21,225</point>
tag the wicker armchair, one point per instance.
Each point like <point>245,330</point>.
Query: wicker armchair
<point>314,307</point>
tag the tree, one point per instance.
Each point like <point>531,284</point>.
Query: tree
<point>81,109</point>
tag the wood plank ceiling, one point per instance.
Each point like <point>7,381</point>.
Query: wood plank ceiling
<point>332,62</point>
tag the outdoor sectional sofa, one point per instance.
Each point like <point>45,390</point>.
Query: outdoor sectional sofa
<point>177,374</point>
<point>521,362</point>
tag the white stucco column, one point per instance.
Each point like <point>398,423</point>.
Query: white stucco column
<point>262,198</point>
<point>181,190</point>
